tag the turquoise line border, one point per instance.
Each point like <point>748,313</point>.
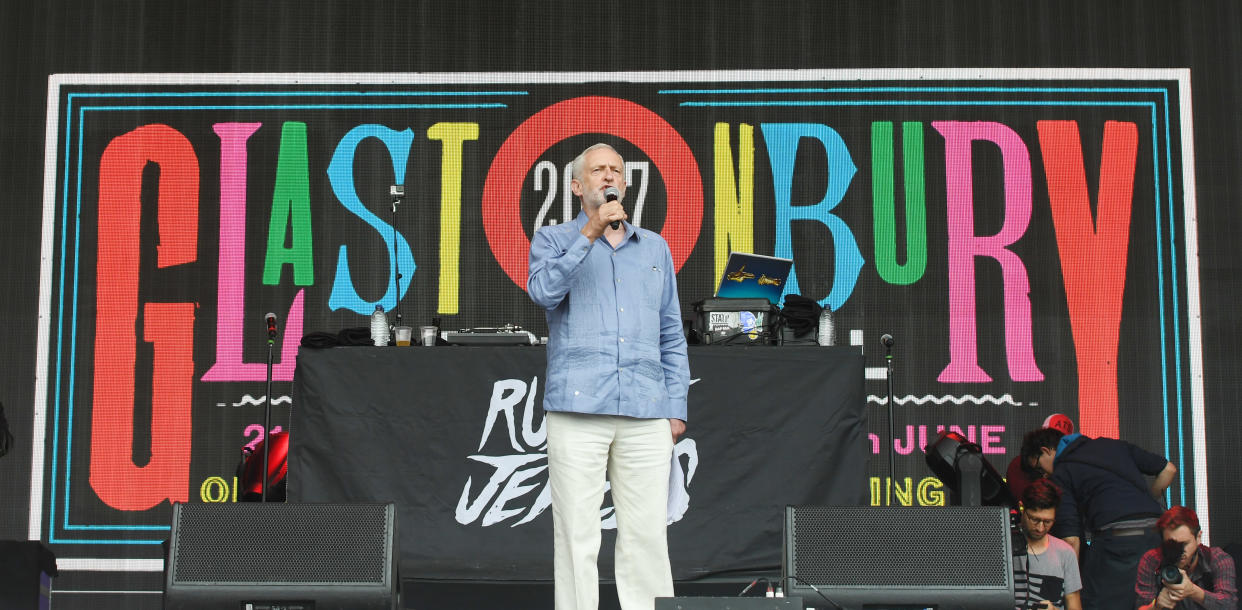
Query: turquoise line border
<point>916,90</point>
<point>796,103</point>
<point>432,106</point>
<point>300,93</point>
<point>744,103</point>
<point>1177,329</point>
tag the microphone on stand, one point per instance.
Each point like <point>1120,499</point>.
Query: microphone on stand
<point>612,194</point>
<point>887,341</point>
<point>270,318</point>
<point>397,192</point>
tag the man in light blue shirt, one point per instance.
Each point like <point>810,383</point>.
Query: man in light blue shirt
<point>615,395</point>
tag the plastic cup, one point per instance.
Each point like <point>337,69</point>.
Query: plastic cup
<point>429,335</point>
<point>404,334</point>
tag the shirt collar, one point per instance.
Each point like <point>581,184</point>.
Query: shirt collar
<point>1065,442</point>
<point>1202,563</point>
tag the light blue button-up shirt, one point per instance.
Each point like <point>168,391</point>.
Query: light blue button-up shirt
<point>615,341</point>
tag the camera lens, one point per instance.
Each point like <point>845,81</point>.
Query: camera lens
<point>1170,575</point>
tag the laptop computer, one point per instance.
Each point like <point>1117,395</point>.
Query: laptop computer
<point>754,276</point>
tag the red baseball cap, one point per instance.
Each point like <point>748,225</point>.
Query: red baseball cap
<point>1060,421</point>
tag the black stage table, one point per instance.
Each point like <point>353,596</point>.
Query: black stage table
<point>454,436</point>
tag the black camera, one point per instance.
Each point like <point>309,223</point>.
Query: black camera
<point>1017,536</point>
<point>1170,555</point>
<point>1170,575</point>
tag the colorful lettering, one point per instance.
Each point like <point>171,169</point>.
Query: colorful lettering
<point>1093,256</point>
<point>782,141</point>
<point>885,208</point>
<point>231,272</point>
<point>965,246</point>
<point>341,175</point>
<point>735,196</point>
<point>169,327</point>
<point>291,208</point>
<point>929,492</point>
<point>453,135</point>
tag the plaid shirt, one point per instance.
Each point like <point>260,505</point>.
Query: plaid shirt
<point>1214,574</point>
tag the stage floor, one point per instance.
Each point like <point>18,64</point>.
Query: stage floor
<point>425,595</point>
<point>142,592</point>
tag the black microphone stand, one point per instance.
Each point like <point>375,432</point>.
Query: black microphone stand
<point>398,193</point>
<point>887,340</point>
<point>267,410</point>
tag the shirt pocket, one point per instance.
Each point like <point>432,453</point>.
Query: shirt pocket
<point>653,287</point>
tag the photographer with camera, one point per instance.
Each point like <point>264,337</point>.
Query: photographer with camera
<point>1045,571</point>
<point>1183,573</point>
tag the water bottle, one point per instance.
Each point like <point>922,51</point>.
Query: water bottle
<point>827,329</point>
<point>379,326</point>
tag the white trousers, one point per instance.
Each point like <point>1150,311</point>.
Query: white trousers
<point>636,454</point>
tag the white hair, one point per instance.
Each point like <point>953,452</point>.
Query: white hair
<point>575,168</point>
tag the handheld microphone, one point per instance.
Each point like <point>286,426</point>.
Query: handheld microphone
<point>887,340</point>
<point>270,318</point>
<point>612,194</point>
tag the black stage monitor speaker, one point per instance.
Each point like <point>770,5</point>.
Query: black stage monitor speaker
<point>728,603</point>
<point>254,556</point>
<point>954,557</point>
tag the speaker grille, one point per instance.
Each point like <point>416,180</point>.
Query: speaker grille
<point>281,543</point>
<point>855,546</point>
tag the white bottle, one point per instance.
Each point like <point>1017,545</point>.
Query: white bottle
<point>379,326</point>
<point>827,334</point>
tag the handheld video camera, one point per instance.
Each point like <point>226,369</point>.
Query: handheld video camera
<point>1171,552</point>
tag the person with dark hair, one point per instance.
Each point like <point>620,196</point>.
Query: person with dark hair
<point>1105,495</point>
<point>1202,576</point>
<point>1018,474</point>
<point>617,381</point>
<point>1046,575</point>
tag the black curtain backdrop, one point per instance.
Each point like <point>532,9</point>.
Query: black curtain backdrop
<point>771,427</point>
<point>58,37</point>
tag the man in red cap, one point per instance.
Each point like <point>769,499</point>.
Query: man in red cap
<point>1018,477</point>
